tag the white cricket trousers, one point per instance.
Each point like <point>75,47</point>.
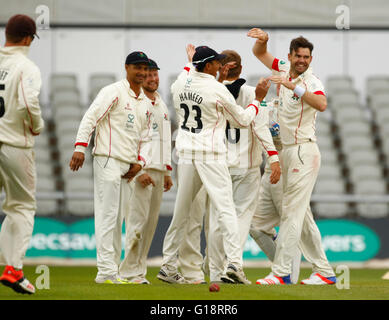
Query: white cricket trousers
<point>18,178</point>
<point>189,256</point>
<point>268,211</point>
<point>217,182</point>
<point>245,196</point>
<point>141,223</point>
<point>300,166</point>
<point>111,201</point>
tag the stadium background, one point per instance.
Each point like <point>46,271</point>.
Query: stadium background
<point>83,45</point>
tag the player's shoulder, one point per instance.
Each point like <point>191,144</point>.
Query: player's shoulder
<point>114,87</point>
<point>216,85</point>
<point>161,101</point>
<point>247,88</point>
<point>27,66</point>
<point>311,76</point>
<point>280,65</point>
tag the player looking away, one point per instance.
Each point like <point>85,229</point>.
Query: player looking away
<point>120,117</point>
<point>20,121</point>
<point>203,105</point>
<point>301,95</point>
<point>244,158</point>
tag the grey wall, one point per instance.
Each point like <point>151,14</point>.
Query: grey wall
<point>203,12</point>
<point>85,51</point>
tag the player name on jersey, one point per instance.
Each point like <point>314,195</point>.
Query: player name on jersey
<point>3,74</point>
<point>192,96</point>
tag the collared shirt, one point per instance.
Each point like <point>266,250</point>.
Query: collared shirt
<point>20,84</point>
<point>297,118</point>
<point>121,121</point>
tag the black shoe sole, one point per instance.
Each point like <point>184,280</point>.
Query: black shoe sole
<point>15,286</point>
<point>235,278</point>
<point>227,280</point>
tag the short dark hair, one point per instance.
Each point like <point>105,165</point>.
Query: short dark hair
<point>18,27</point>
<point>232,55</point>
<point>200,67</point>
<point>300,42</point>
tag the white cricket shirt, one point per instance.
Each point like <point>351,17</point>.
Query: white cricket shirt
<point>245,146</point>
<point>160,153</point>
<point>297,118</point>
<point>203,105</point>
<point>121,122</point>
<point>20,84</point>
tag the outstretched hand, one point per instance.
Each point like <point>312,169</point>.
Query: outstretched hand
<point>262,88</point>
<point>190,51</point>
<point>258,34</point>
<point>280,80</point>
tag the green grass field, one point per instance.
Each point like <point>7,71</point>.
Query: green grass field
<point>77,283</point>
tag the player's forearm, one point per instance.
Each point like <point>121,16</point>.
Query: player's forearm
<point>262,133</point>
<point>240,117</point>
<point>96,113</point>
<point>260,51</point>
<point>319,102</point>
<point>29,98</point>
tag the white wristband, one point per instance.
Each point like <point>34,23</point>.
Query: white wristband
<point>299,91</point>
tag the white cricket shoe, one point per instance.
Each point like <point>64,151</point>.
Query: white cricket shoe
<point>170,276</point>
<point>198,281</point>
<point>237,274</point>
<point>271,279</point>
<point>226,279</point>
<point>318,279</point>
<point>111,280</point>
<point>138,280</point>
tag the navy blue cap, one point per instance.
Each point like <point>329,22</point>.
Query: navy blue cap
<point>205,54</point>
<point>153,65</point>
<point>137,57</point>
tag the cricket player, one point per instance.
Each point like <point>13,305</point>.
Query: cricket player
<point>267,215</point>
<point>20,121</point>
<point>120,117</point>
<point>244,158</point>
<point>301,96</point>
<point>149,186</point>
<point>203,105</point>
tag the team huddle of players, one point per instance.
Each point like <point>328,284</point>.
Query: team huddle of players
<point>224,127</point>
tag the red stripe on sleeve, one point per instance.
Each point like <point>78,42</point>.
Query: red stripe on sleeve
<point>84,144</point>
<point>272,153</point>
<point>187,69</point>
<point>275,64</point>
<point>319,93</point>
<point>169,168</point>
<point>256,108</point>
<point>140,158</point>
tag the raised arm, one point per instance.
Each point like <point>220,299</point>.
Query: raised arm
<point>260,46</point>
<point>242,117</point>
